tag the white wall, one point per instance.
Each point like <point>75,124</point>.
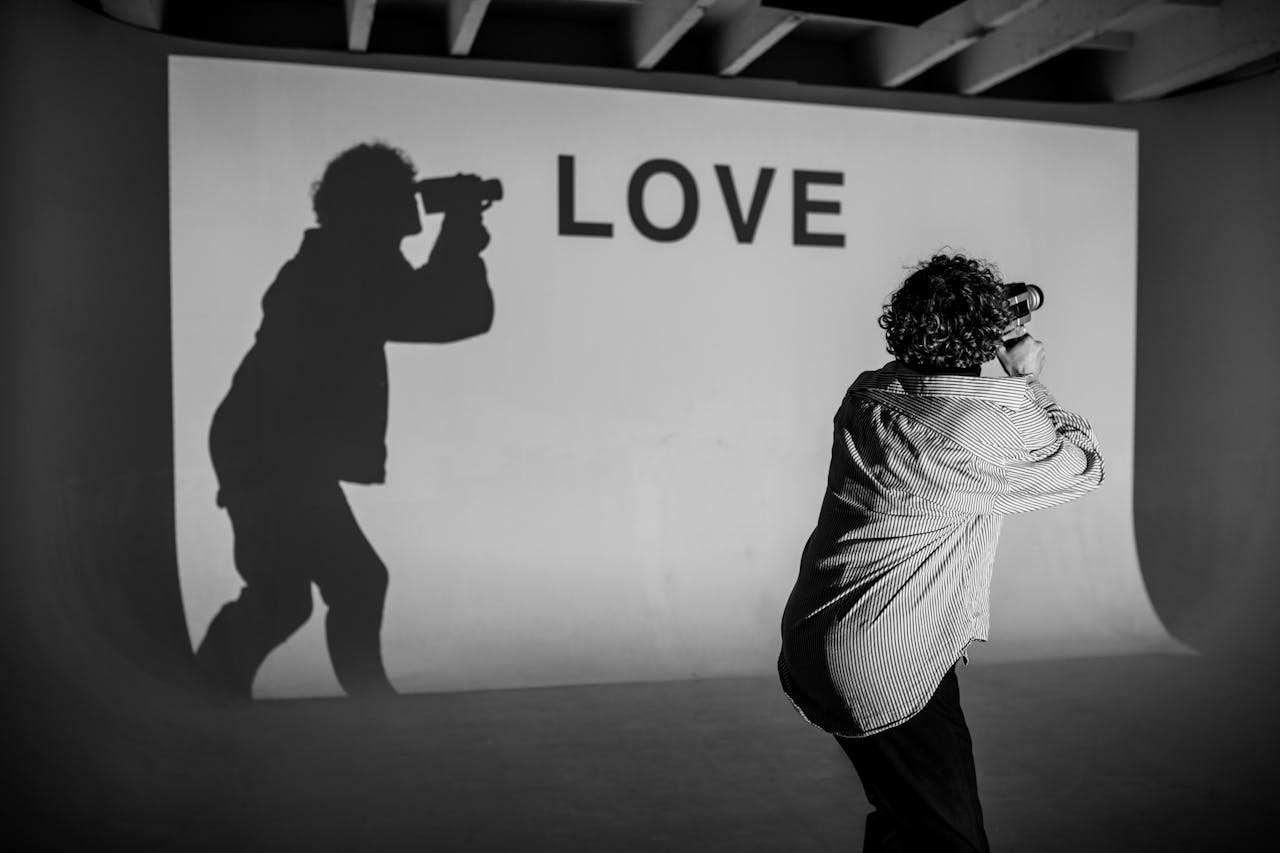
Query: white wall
<point>615,482</point>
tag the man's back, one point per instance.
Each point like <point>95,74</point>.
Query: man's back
<point>894,581</point>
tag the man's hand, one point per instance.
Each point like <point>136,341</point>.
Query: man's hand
<point>1023,357</point>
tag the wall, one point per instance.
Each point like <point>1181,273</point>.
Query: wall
<point>89,582</point>
<point>613,483</point>
<point>1207,466</point>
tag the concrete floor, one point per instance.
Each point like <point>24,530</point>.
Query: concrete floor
<point>1160,753</point>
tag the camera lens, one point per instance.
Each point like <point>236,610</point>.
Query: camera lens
<point>1035,297</point>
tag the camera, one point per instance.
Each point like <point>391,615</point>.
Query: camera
<point>457,192</point>
<point>1023,298</point>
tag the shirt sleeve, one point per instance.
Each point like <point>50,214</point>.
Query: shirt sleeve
<point>937,456</point>
<point>1057,462</point>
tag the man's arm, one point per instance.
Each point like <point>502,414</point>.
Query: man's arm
<point>1059,458</point>
<point>448,298</point>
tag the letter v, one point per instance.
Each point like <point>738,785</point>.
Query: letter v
<point>744,228</point>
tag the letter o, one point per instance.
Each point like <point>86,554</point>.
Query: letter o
<point>635,200</point>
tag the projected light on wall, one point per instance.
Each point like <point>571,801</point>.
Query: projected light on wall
<point>613,480</point>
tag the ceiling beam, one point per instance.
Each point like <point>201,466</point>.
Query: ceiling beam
<point>1109,41</point>
<point>898,54</point>
<point>750,33</point>
<point>141,13</point>
<point>1180,51</point>
<point>464,17</point>
<point>359,23</point>
<point>656,25</point>
<point>1052,28</point>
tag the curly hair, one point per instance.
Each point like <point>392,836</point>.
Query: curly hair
<point>357,178</point>
<point>950,312</point>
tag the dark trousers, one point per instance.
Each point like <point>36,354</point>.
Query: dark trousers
<point>920,780</point>
<point>289,535</point>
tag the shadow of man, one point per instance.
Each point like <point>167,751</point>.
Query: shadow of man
<point>307,410</point>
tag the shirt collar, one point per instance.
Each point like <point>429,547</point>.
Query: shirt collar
<point>976,370</point>
<point>896,378</point>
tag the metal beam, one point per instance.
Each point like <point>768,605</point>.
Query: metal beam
<point>148,14</point>
<point>1180,51</point>
<point>1052,28</point>
<point>898,54</point>
<point>656,25</point>
<point>749,34</point>
<point>464,22</point>
<point>359,23</point>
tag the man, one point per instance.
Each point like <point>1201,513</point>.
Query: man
<point>307,410</point>
<point>928,457</point>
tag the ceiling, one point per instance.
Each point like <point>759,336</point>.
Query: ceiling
<point>1048,50</point>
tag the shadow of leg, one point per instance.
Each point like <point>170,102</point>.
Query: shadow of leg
<point>246,630</point>
<point>353,582</point>
<point>355,647</point>
<point>270,556</point>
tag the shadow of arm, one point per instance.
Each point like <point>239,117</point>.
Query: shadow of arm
<point>447,299</point>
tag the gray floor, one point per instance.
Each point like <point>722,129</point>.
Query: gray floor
<point>1125,753</point>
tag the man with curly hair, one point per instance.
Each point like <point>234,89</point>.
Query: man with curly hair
<point>928,456</point>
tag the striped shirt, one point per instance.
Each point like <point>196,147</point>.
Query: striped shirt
<point>895,579</point>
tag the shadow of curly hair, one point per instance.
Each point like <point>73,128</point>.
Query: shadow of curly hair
<point>950,312</point>
<point>358,180</point>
